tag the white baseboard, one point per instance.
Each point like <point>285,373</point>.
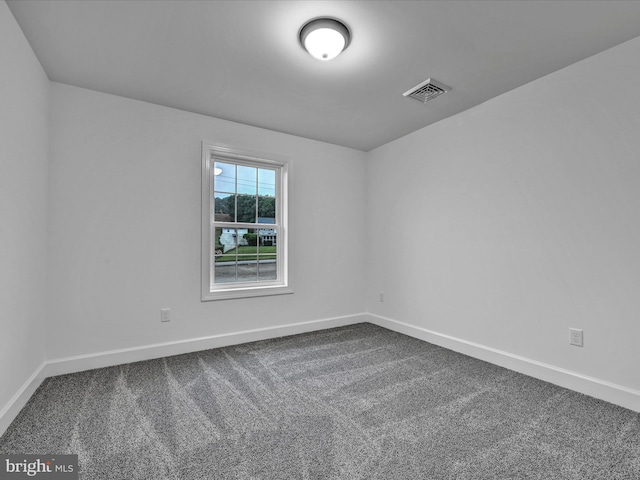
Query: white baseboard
<point>147,352</point>
<point>10,411</point>
<point>594,387</point>
<point>603,390</point>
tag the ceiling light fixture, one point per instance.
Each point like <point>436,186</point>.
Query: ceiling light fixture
<point>325,38</point>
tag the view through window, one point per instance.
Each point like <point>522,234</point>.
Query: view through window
<point>246,241</point>
<point>247,195</point>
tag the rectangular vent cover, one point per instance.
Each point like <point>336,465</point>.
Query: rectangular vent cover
<point>427,90</point>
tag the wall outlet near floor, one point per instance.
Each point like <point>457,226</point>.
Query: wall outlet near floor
<point>165,315</point>
<point>575,337</point>
<point>381,297</point>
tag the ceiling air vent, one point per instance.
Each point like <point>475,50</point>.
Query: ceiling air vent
<point>427,90</point>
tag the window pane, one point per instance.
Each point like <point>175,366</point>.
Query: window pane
<point>248,255</point>
<point>248,272</point>
<point>267,256</point>
<point>249,238</point>
<point>266,182</point>
<point>225,254</point>
<point>224,207</point>
<point>224,177</point>
<point>267,269</point>
<point>247,208</point>
<point>247,180</point>
<point>218,248</point>
<point>225,272</point>
<point>248,266</point>
<point>267,237</point>
<point>266,210</point>
<point>227,239</point>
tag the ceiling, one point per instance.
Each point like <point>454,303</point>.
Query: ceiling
<point>241,60</point>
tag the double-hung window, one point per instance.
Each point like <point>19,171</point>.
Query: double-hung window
<point>244,223</point>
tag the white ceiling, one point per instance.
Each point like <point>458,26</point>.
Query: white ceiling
<point>241,60</point>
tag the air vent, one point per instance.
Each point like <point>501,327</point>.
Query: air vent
<point>427,90</point>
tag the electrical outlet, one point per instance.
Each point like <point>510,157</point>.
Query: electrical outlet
<point>165,315</point>
<point>381,296</point>
<point>576,337</point>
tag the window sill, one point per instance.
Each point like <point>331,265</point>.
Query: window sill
<point>248,292</point>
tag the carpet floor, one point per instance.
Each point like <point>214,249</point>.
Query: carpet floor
<point>356,402</point>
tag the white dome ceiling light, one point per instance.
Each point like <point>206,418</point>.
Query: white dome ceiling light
<point>325,38</point>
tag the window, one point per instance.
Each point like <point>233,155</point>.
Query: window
<point>244,223</point>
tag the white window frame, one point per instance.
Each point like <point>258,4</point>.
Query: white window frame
<point>212,152</point>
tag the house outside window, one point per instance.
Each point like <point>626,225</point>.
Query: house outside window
<point>244,223</point>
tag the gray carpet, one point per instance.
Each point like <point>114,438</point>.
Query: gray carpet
<point>357,402</point>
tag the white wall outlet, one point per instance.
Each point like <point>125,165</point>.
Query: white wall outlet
<point>576,337</point>
<point>165,315</point>
<point>381,297</point>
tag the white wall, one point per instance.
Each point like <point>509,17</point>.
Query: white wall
<point>503,226</point>
<point>125,226</point>
<point>24,91</point>
<point>519,219</point>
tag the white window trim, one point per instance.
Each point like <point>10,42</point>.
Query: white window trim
<point>211,291</point>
